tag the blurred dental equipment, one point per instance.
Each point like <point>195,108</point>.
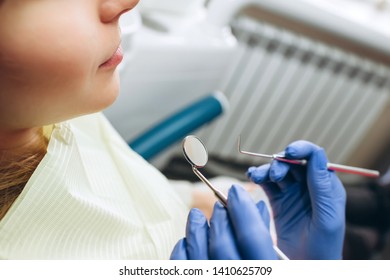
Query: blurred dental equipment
<point>331,166</point>
<point>173,128</point>
<point>196,154</point>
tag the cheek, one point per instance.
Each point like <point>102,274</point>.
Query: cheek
<point>45,68</point>
<point>52,47</point>
<point>48,64</point>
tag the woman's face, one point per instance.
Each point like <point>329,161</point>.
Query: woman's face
<point>58,59</point>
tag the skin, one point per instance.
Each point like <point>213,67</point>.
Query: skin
<point>51,56</point>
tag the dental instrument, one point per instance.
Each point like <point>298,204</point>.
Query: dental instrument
<point>331,166</point>
<point>196,154</point>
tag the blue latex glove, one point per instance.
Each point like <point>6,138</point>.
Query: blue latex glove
<point>242,230</point>
<point>308,203</point>
<point>239,232</point>
<point>194,246</point>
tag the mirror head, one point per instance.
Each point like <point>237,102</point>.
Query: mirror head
<point>194,151</point>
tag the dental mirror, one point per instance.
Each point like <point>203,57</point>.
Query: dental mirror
<point>196,154</point>
<point>194,151</point>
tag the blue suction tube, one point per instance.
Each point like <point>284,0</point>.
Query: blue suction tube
<point>180,124</point>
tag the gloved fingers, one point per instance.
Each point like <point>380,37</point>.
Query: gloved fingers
<point>260,175</point>
<point>280,174</point>
<point>317,170</point>
<point>276,172</point>
<point>326,191</point>
<point>222,244</point>
<point>318,177</point>
<point>263,210</point>
<point>298,172</point>
<point>179,252</point>
<point>300,149</point>
<point>253,238</point>
<point>197,235</point>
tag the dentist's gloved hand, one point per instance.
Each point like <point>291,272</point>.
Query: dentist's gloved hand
<point>239,232</point>
<point>242,230</point>
<point>195,245</point>
<point>308,203</point>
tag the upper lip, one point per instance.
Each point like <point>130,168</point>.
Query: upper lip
<point>112,54</point>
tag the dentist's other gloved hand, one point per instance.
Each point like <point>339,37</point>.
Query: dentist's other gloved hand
<point>308,203</point>
<point>239,232</point>
<point>195,245</point>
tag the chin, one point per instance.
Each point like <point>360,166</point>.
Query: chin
<point>109,93</point>
<point>107,101</point>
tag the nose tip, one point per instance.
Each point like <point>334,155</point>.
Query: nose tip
<point>111,10</point>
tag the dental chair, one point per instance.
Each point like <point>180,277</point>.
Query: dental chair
<point>175,127</point>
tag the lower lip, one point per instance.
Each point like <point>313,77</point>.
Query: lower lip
<point>114,60</point>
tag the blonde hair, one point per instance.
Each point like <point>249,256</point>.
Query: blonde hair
<point>16,169</point>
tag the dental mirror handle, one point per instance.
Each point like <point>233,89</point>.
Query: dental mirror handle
<point>279,253</point>
<point>221,197</point>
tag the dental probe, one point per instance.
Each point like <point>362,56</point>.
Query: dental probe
<point>330,166</point>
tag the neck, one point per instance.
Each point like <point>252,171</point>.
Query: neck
<point>17,139</point>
